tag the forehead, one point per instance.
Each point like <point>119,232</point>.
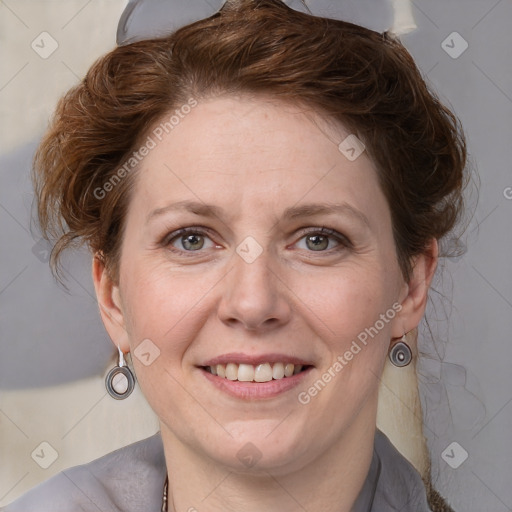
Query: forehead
<point>254,151</point>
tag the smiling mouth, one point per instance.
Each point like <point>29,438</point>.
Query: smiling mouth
<point>264,372</point>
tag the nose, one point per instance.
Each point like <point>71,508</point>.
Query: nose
<point>254,296</point>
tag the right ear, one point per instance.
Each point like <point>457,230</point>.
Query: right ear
<point>109,301</point>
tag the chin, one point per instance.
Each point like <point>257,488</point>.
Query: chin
<point>263,446</point>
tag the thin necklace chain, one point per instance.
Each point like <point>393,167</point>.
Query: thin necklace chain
<point>164,497</point>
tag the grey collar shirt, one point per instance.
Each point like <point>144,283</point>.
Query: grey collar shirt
<point>131,479</point>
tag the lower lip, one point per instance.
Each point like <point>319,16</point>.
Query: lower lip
<point>256,390</point>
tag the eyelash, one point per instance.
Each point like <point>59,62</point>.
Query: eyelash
<point>344,242</point>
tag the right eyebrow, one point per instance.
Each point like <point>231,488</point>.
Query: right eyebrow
<point>196,207</point>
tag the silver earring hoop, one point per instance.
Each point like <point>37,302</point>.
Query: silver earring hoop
<point>400,353</point>
<point>120,381</point>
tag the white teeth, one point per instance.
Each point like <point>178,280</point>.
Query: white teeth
<point>246,372</point>
<point>264,372</point>
<point>231,371</point>
<point>278,371</point>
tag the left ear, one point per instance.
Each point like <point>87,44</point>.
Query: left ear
<point>415,300</point>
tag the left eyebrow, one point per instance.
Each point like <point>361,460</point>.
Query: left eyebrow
<point>312,209</point>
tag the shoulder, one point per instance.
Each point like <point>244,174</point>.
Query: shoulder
<point>128,479</point>
<point>400,486</point>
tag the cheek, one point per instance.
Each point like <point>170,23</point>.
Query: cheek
<point>352,311</point>
<point>164,304</point>
<point>347,300</point>
<point>164,314</point>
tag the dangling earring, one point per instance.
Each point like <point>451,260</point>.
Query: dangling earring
<point>120,380</point>
<point>400,353</point>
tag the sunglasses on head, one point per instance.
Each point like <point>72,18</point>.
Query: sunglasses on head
<point>147,19</point>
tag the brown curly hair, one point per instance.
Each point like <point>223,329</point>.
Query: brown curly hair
<point>365,80</point>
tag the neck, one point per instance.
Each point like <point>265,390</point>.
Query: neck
<point>330,482</point>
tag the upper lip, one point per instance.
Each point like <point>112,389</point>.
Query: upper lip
<point>255,359</point>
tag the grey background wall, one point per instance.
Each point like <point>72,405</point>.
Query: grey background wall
<point>54,351</point>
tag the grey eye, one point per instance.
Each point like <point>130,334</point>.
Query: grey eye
<point>317,242</point>
<point>192,242</point>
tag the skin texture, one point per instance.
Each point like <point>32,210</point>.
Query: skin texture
<point>254,157</point>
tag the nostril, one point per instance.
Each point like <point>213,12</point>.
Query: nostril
<point>253,326</point>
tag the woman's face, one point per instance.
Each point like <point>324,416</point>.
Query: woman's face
<point>254,281</point>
